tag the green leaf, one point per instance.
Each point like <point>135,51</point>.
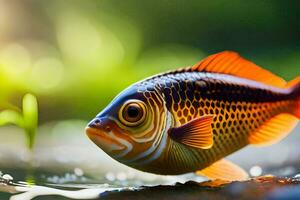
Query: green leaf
<point>9,106</point>
<point>11,117</point>
<point>30,117</point>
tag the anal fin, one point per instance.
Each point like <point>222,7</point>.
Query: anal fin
<point>224,170</point>
<point>273,130</point>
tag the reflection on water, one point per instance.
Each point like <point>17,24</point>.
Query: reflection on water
<point>25,191</point>
<point>28,192</point>
<point>77,186</point>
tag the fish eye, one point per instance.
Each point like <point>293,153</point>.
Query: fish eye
<point>133,113</point>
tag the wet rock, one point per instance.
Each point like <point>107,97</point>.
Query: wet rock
<point>285,193</point>
<point>265,187</point>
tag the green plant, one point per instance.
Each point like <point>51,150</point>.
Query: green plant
<point>27,118</point>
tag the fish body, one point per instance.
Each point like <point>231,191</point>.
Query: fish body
<point>191,118</point>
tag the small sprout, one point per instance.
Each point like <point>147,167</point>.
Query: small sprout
<point>26,119</point>
<point>11,117</point>
<point>30,117</point>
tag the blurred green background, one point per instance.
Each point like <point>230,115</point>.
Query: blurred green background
<point>75,56</point>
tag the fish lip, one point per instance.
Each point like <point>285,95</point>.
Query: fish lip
<point>99,127</point>
<point>91,131</point>
<point>102,138</point>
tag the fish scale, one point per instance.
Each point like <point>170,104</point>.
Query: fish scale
<point>199,94</point>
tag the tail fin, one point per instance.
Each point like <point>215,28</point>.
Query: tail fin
<point>295,85</point>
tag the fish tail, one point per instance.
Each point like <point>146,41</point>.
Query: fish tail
<point>294,85</point>
<point>282,124</point>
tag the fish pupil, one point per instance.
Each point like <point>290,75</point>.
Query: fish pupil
<point>133,111</point>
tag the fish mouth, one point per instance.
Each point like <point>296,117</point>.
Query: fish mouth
<point>103,139</point>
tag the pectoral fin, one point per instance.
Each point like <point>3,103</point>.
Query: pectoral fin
<point>224,170</point>
<point>196,133</point>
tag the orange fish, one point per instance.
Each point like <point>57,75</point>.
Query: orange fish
<point>188,120</point>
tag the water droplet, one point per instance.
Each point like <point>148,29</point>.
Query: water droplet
<point>255,171</point>
<point>110,176</point>
<point>297,176</point>
<point>78,172</point>
<point>7,177</point>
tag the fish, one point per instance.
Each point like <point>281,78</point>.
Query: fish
<point>189,119</point>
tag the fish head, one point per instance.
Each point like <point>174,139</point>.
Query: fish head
<point>128,128</point>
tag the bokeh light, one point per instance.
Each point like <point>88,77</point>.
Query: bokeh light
<point>47,73</point>
<point>15,60</point>
<point>83,41</point>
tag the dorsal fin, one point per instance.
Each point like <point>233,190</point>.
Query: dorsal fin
<point>228,62</point>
